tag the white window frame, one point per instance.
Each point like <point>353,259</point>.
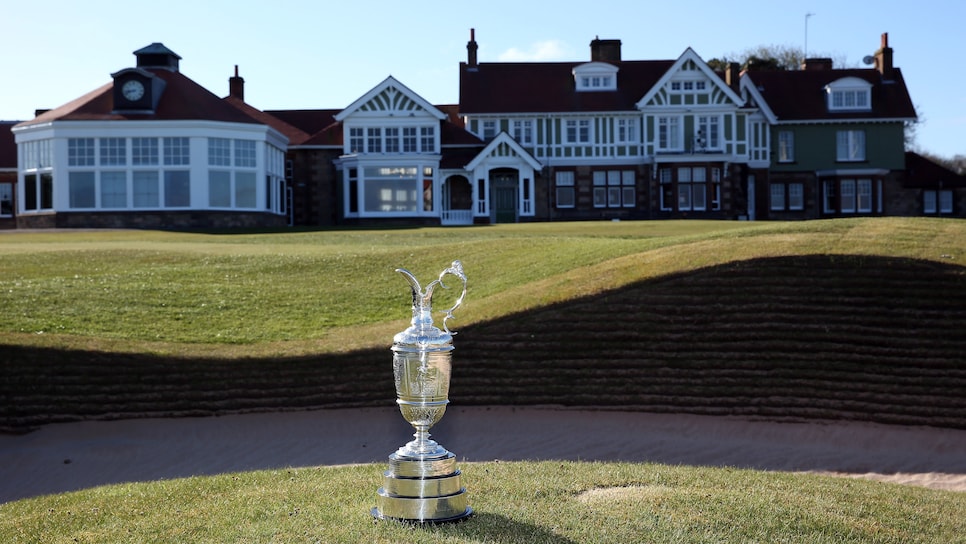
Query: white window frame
<point>850,145</point>
<point>786,146</point>
<point>427,139</point>
<point>357,140</point>
<point>847,196</point>
<point>565,189</point>
<point>578,131</point>
<point>6,199</point>
<point>863,195</point>
<point>522,131</point>
<point>709,129</point>
<point>669,133</point>
<point>410,140</point>
<point>391,135</point>
<point>796,196</point>
<point>373,139</point>
<point>488,129</point>
<point>627,130</point>
<point>777,194</point>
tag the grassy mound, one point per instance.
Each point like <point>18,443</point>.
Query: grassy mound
<point>856,319</point>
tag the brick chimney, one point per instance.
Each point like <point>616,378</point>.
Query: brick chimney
<point>605,50</point>
<point>817,64</point>
<point>883,59</point>
<point>732,75</point>
<point>236,86</point>
<point>471,48</point>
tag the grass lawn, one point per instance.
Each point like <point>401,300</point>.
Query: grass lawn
<point>323,291</point>
<point>855,319</point>
<point>545,502</point>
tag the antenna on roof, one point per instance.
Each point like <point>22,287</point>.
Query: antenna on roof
<point>868,60</point>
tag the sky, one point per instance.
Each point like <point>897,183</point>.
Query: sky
<point>324,54</point>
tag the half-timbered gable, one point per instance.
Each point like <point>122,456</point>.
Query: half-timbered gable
<point>696,130</point>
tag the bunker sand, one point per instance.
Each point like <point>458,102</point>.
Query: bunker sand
<point>72,456</point>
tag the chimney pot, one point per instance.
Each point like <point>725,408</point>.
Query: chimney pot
<point>883,59</point>
<point>471,48</point>
<point>236,86</point>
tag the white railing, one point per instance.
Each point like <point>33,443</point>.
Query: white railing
<point>457,217</point>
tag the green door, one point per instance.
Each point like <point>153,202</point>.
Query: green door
<point>505,197</point>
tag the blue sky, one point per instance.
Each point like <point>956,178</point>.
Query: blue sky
<point>315,54</point>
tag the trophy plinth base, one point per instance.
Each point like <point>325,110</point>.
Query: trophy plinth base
<point>422,489</point>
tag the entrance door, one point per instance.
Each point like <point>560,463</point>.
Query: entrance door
<point>505,196</point>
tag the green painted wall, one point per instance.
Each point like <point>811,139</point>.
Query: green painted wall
<point>815,147</point>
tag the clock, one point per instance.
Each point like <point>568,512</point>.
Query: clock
<point>133,90</point>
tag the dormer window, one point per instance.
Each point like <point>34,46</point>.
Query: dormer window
<point>849,94</point>
<point>596,76</point>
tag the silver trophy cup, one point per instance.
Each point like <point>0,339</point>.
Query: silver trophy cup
<point>423,483</point>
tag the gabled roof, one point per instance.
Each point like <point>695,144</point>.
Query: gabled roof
<point>689,55</point>
<point>329,131</point>
<point>532,87</point>
<point>799,95</point>
<point>393,97</point>
<point>747,85</point>
<point>182,99</point>
<point>504,139</point>
<point>8,146</point>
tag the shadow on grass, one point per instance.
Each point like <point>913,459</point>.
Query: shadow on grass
<point>489,527</point>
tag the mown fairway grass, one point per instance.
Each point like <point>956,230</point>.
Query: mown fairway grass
<point>294,288</point>
<point>826,319</point>
<point>545,502</point>
<point>332,291</point>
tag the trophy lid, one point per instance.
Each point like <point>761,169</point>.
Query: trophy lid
<point>422,333</point>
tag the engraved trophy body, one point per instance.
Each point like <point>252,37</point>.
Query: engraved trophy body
<point>423,483</point>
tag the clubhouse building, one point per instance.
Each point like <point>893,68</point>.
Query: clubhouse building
<point>601,139</point>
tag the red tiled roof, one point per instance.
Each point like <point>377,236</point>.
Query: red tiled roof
<point>182,99</point>
<point>800,94</point>
<point>328,136</point>
<point>455,135</point>
<point>922,172</point>
<point>452,112</point>
<point>308,121</point>
<point>8,147</point>
<point>510,87</point>
<point>294,135</point>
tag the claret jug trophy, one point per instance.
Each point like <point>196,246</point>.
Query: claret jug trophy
<point>422,483</point>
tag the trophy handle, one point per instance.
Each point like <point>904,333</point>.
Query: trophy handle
<point>423,300</point>
<point>456,269</point>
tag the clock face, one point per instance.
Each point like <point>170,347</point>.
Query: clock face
<point>133,90</point>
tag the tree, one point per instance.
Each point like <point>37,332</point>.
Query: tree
<point>771,57</point>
